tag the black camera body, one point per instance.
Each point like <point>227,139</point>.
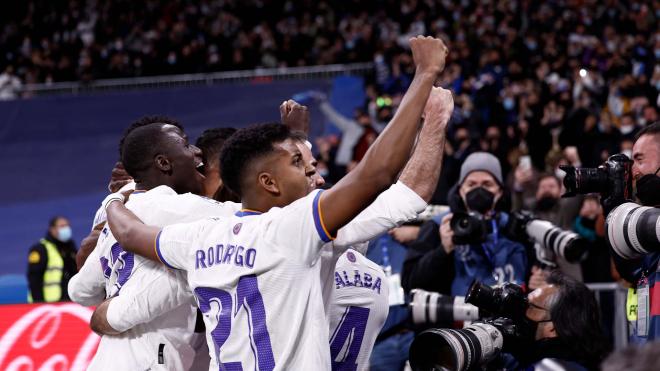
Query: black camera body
<point>469,228</point>
<point>506,300</point>
<point>612,180</point>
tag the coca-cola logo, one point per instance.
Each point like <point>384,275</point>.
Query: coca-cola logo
<point>46,337</point>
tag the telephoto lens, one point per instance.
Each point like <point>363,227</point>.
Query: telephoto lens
<point>633,230</point>
<point>447,349</point>
<point>432,307</point>
<point>584,180</point>
<point>569,245</point>
<point>507,300</point>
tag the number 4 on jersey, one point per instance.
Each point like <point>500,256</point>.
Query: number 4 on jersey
<point>248,297</point>
<point>347,339</point>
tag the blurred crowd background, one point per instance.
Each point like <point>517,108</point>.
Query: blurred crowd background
<point>529,77</point>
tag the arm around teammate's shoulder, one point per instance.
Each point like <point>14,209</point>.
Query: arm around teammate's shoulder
<point>131,233</point>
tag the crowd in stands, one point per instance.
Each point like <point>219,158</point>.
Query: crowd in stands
<point>562,82</point>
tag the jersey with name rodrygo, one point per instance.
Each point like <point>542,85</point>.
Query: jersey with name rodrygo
<point>256,280</point>
<point>154,337</point>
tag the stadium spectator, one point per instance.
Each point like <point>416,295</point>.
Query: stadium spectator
<point>51,263</point>
<point>9,84</point>
<point>494,260</point>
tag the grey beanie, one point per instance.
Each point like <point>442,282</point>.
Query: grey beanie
<point>481,161</point>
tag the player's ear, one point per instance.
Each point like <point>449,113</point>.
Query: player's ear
<point>269,183</point>
<point>163,163</point>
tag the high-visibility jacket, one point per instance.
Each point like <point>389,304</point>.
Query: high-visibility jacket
<point>52,287</point>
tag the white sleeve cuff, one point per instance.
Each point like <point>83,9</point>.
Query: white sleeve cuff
<point>116,314</point>
<point>408,197</point>
<point>397,205</point>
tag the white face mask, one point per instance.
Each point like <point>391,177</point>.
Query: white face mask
<point>559,173</point>
<point>627,152</point>
<point>627,129</point>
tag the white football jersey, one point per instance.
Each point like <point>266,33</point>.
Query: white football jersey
<point>357,311</point>
<point>156,337</point>
<point>256,280</point>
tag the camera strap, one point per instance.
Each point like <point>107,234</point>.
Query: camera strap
<point>488,247</point>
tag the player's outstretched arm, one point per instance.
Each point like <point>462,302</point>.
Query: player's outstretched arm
<point>404,200</point>
<point>133,235</point>
<point>390,152</point>
<point>423,170</point>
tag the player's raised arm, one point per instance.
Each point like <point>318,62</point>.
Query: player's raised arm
<point>404,200</point>
<point>131,233</point>
<point>387,156</point>
<point>423,170</point>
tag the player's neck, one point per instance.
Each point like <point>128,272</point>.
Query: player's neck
<point>260,204</point>
<point>148,184</point>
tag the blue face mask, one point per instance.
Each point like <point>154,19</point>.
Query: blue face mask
<point>508,104</point>
<point>64,234</point>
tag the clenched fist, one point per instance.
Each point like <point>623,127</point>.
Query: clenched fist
<point>439,106</point>
<point>295,116</point>
<point>428,53</point>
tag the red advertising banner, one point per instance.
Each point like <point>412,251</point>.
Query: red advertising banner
<point>46,337</point>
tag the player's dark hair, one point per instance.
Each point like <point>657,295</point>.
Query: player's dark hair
<point>653,129</point>
<point>576,316</point>
<point>246,146</point>
<point>141,141</point>
<point>211,142</point>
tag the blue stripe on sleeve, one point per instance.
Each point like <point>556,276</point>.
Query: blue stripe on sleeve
<point>318,219</point>
<point>160,255</point>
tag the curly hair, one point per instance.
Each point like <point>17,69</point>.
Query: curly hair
<point>140,142</point>
<point>246,146</point>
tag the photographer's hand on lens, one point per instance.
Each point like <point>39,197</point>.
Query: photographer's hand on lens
<point>447,234</point>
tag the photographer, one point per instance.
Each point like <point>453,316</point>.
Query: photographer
<point>490,258</point>
<point>556,326</point>
<point>565,321</point>
<point>645,271</point>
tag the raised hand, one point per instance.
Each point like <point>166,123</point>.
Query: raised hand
<point>118,178</point>
<point>429,54</point>
<point>439,107</point>
<point>295,116</point>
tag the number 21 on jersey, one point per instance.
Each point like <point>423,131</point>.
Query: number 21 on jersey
<point>219,303</point>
